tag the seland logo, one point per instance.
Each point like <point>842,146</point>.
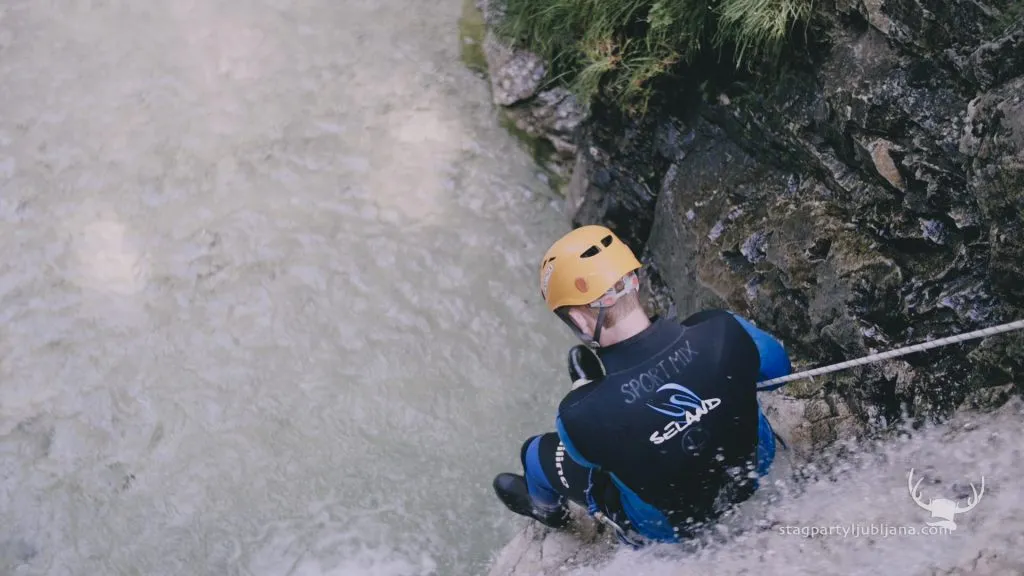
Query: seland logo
<point>684,405</point>
<point>943,508</point>
<point>559,458</point>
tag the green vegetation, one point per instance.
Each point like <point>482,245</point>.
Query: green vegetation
<point>541,149</point>
<point>472,29</point>
<point>471,37</point>
<point>618,47</point>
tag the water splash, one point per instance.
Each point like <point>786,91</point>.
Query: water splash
<point>266,280</point>
<point>857,516</point>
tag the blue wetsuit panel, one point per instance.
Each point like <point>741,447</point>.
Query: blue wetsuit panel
<point>774,360</point>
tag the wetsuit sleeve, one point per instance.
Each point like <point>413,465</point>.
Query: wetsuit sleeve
<point>570,447</point>
<point>569,403</point>
<point>774,360</point>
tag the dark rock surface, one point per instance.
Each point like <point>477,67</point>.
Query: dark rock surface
<point>869,198</point>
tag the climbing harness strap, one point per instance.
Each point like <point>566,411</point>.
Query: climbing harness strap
<point>629,283</point>
<point>592,508</point>
<point>781,441</point>
<point>776,382</point>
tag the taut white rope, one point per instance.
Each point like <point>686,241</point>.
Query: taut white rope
<point>776,382</point>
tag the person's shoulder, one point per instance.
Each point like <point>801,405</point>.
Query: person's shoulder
<point>580,394</point>
<point>705,316</point>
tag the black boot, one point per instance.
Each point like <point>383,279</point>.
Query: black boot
<point>513,493</point>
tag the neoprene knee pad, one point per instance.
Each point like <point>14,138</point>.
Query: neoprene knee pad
<point>526,446</point>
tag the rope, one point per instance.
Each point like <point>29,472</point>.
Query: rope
<point>776,382</point>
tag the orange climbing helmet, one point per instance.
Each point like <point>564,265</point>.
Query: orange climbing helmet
<point>584,266</point>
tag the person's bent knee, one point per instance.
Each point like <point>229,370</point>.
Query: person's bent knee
<point>526,448</point>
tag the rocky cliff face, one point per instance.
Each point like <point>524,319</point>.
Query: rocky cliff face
<point>869,197</point>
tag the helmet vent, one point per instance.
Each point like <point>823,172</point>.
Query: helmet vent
<point>606,241</point>
<point>592,251</point>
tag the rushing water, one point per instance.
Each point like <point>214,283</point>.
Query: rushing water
<point>268,307</point>
<point>856,516</point>
<point>268,302</point>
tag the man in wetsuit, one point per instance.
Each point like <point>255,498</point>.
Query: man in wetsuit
<point>662,429</point>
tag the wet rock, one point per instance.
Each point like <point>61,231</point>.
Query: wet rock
<point>873,10</point>
<point>472,31</point>
<point>620,167</point>
<point>515,74</point>
<point>553,115</point>
<point>902,223</point>
<point>988,398</point>
<point>753,248</point>
<point>492,11</point>
<point>869,197</point>
<point>602,192</point>
<point>655,296</point>
<point>924,25</point>
<point>934,230</point>
<point>546,118</point>
<point>817,410</point>
<point>994,62</point>
<point>993,139</point>
<point>539,550</point>
<point>884,164</point>
<point>808,426</point>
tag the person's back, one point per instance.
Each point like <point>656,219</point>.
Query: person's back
<point>674,422</point>
<point>662,427</point>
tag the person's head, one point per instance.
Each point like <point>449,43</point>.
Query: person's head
<point>588,278</point>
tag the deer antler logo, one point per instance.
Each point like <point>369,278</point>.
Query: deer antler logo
<point>942,508</point>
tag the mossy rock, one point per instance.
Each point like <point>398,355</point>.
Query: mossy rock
<point>472,29</point>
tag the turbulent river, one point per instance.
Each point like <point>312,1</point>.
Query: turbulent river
<point>855,516</point>
<point>268,302</point>
<point>268,307</point>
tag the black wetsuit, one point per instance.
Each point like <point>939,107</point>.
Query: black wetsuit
<point>671,432</point>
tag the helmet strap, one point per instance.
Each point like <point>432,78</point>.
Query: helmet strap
<point>596,341</point>
<point>631,284</point>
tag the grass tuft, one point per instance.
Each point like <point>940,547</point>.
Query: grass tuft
<point>619,47</point>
